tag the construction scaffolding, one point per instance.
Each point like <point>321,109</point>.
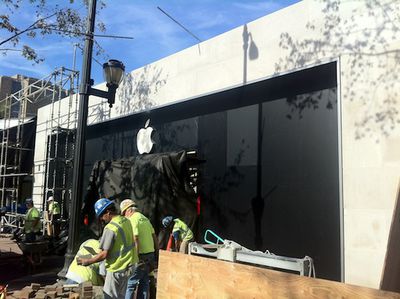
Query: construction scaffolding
<point>19,111</point>
<point>60,130</point>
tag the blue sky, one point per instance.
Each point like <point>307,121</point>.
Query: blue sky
<point>155,35</point>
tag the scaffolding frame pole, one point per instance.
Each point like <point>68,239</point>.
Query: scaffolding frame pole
<point>13,136</point>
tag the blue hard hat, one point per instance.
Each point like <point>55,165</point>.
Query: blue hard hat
<point>28,200</point>
<point>167,221</point>
<point>101,205</point>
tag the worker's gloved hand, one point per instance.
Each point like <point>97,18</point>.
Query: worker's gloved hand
<point>80,261</point>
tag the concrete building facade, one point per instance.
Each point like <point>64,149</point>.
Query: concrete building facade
<point>361,39</point>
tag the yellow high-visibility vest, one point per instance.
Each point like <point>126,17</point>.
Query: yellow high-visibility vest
<point>185,232</point>
<point>54,208</point>
<point>123,253</point>
<point>142,228</point>
<point>30,217</point>
<point>90,273</point>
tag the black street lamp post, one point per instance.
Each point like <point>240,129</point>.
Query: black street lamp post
<point>113,71</point>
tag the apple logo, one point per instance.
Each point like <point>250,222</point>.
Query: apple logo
<point>143,139</point>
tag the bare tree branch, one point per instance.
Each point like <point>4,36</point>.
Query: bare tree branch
<point>65,21</point>
<point>31,27</point>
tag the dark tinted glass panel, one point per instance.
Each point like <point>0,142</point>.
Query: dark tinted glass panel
<point>229,175</point>
<point>300,179</point>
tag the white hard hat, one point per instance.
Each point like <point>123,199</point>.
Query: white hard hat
<point>125,204</point>
<point>51,198</point>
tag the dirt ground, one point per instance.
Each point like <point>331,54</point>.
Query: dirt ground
<point>14,273</point>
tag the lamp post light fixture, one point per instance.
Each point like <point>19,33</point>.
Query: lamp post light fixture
<point>113,71</point>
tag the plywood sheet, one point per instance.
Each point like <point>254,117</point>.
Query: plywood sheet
<point>49,227</point>
<point>186,276</point>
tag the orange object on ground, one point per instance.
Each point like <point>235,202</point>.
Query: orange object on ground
<point>169,244</point>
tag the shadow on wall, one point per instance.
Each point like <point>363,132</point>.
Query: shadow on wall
<point>136,93</point>
<point>117,145</point>
<point>300,103</point>
<point>372,76</point>
<point>249,49</point>
<point>174,137</point>
<point>100,112</point>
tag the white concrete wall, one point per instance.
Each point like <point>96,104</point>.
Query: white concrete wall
<point>364,36</point>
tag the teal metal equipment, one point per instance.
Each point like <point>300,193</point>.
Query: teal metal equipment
<point>218,238</point>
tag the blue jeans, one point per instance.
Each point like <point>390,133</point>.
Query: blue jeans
<point>141,276</point>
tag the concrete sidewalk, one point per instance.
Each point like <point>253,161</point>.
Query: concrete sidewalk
<point>8,246</point>
<point>15,274</point>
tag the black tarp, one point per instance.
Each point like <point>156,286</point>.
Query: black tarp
<point>158,182</point>
<point>20,155</point>
<point>26,140</point>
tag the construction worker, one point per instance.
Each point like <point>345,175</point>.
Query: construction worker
<point>146,241</point>
<point>181,233</point>
<point>32,222</point>
<point>79,274</point>
<point>116,248</point>
<point>54,215</point>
